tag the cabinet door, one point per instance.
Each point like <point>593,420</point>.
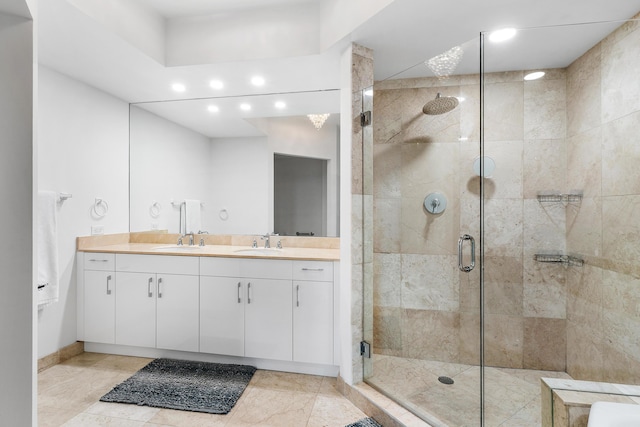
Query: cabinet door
<point>268,319</point>
<point>313,322</point>
<point>99,306</point>
<point>136,309</point>
<point>177,312</point>
<point>222,302</point>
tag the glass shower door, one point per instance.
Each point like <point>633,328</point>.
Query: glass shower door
<point>543,174</point>
<point>425,296</point>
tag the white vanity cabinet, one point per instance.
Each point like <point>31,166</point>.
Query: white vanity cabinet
<point>158,303</point>
<point>222,315</point>
<point>99,297</point>
<point>313,316</point>
<point>279,313</point>
<point>268,320</point>
<point>245,307</point>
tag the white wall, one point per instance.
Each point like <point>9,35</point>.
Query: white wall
<point>83,149</point>
<point>276,31</point>
<point>133,21</point>
<point>168,162</point>
<point>339,17</point>
<point>240,171</point>
<point>17,367</point>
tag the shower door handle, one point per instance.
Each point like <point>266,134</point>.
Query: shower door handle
<point>466,268</point>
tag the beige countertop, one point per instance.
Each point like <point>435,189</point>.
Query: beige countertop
<point>315,254</point>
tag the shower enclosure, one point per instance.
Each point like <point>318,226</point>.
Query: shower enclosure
<point>538,180</point>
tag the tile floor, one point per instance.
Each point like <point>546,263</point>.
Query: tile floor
<point>69,393</point>
<point>512,396</point>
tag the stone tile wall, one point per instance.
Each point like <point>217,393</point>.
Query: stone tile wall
<point>603,146</point>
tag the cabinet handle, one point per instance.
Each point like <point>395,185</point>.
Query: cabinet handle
<point>239,299</point>
<point>98,260</point>
<point>159,288</point>
<point>249,293</point>
<point>312,269</point>
<point>297,295</point>
<point>149,293</point>
<point>108,289</point>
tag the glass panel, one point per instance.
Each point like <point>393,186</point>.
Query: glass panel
<point>561,216</point>
<point>425,311</point>
<point>366,118</point>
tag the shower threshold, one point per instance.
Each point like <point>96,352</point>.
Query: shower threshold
<point>512,396</point>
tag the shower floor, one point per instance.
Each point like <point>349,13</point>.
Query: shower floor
<point>512,396</point>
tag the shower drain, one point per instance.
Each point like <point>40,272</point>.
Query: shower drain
<point>445,380</point>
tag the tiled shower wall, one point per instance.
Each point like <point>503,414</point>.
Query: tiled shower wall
<point>603,149</point>
<point>575,129</point>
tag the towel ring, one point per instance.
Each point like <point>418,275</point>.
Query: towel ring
<point>154,209</point>
<point>100,208</point>
<point>223,214</point>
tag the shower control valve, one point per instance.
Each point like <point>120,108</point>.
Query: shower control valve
<point>435,203</point>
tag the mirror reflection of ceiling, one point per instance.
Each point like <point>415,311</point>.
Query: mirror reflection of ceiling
<point>224,118</point>
<point>135,49</point>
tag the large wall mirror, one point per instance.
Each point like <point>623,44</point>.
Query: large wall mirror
<point>254,163</point>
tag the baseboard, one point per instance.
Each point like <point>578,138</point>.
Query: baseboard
<point>267,364</point>
<point>61,355</point>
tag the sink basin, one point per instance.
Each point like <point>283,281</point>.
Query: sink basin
<point>612,414</point>
<point>259,251</point>
<point>176,248</point>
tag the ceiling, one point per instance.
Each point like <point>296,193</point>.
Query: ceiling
<point>403,34</point>
<point>173,8</point>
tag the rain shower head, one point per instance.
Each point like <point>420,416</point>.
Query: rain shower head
<point>440,105</point>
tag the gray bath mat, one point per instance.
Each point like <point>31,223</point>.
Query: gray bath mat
<point>365,422</point>
<point>184,385</point>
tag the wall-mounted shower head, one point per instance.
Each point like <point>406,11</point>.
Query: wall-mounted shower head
<point>440,105</point>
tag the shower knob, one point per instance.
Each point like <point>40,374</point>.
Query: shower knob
<point>435,203</point>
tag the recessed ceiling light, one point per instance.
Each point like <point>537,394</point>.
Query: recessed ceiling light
<point>245,107</point>
<point>280,105</point>
<point>213,108</point>
<point>257,80</point>
<point>534,76</point>
<point>216,84</point>
<point>178,87</point>
<point>502,35</point>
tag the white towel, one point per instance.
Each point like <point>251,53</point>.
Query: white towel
<point>193,221</point>
<point>47,248</point>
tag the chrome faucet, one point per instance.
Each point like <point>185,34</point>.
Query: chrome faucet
<point>267,239</point>
<point>185,235</point>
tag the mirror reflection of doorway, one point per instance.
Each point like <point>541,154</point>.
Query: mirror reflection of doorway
<point>300,196</point>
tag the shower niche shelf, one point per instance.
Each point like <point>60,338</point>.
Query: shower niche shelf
<point>575,197</point>
<point>569,260</point>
